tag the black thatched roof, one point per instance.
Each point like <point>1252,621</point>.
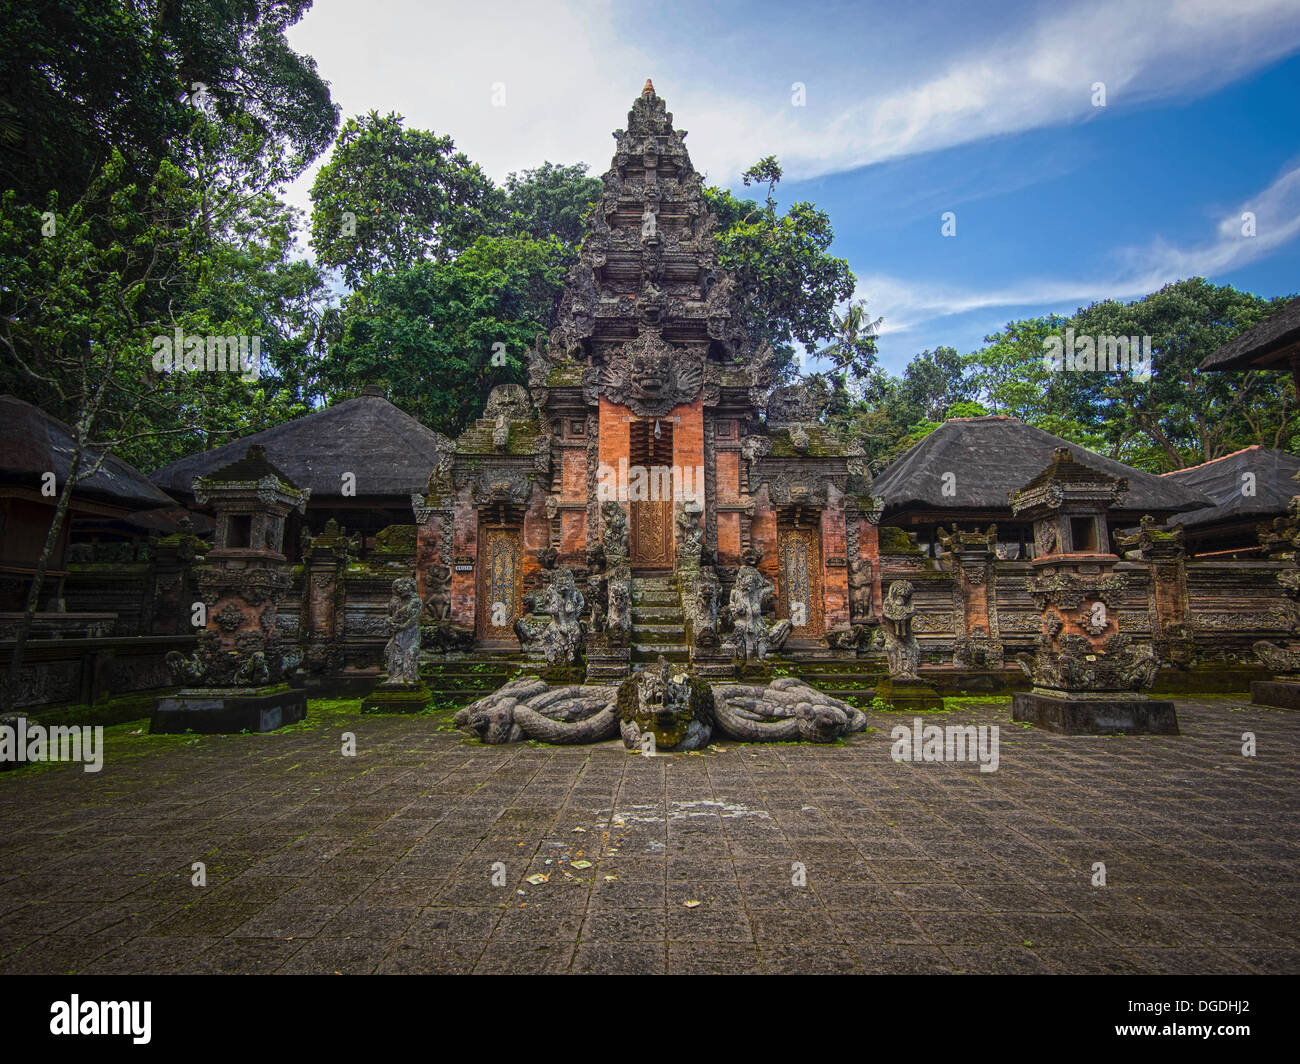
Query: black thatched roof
<point>992,456</point>
<point>253,466</point>
<point>389,451</point>
<point>32,443</point>
<point>1260,346</point>
<point>1222,481</point>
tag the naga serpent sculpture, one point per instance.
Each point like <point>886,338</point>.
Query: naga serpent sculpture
<point>784,711</point>
<point>533,709</point>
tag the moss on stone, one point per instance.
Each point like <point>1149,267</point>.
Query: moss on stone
<point>894,540</point>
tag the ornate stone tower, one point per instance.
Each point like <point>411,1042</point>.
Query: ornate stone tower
<point>649,367</point>
<point>236,678</point>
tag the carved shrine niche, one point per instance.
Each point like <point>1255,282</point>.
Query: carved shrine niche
<point>501,579</point>
<point>800,560</point>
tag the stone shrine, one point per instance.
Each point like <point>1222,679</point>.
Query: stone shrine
<point>1088,676</point>
<point>237,679</point>
<point>650,470</point>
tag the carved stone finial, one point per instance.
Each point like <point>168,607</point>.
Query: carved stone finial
<point>649,89</point>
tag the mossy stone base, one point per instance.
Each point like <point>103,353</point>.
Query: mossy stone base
<point>1122,715</point>
<point>397,698</point>
<point>560,674</point>
<point>215,712</point>
<point>1279,694</point>
<point>908,696</point>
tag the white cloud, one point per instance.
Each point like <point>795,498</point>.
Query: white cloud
<point>571,71</point>
<point>1142,269</point>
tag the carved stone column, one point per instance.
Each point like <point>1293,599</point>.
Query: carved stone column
<point>1088,676</point>
<point>971,557</point>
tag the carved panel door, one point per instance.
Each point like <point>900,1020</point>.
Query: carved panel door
<point>800,552</point>
<point>500,593</point>
<point>650,484</point>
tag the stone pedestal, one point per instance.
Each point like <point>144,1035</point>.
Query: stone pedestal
<point>1095,714</point>
<point>228,710</point>
<point>908,695</point>
<point>714,665</point>
<point>605,663</point>
<point>397,698</point>
<point>14,721</point>
<point>1278,694</point>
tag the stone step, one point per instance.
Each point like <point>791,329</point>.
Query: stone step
<point>655,597</point>
<point>848,694</point>
<point>650,651</point>
<point>656,615</point>
<point>657,629</point>
<point>672,637</point>
<point>449,679</point>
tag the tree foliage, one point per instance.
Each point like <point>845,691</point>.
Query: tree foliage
<point>440,335</point>
<point>390,198</point>
<point>551,201</point>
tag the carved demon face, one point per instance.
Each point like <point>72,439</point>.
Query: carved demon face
<point>651,376</point>
<point>662,704</point>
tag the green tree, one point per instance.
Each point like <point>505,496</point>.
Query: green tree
<point>552,201</point>
<point>933,381</point>
<point>789,281</point>
<point>1181,416</point>
<point>79,79</point>
<point>78,314</point>
<point>440,335</point>
<point>390,198</point>
<point>852,351</point>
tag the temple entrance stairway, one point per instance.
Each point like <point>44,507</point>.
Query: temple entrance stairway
<point>458,683</point>
<point>658,625</point>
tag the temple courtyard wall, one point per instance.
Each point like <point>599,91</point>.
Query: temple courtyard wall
<point>333,618</point>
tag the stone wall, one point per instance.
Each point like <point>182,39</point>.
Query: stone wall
<point>86,671</point>
<point>1222,607</point>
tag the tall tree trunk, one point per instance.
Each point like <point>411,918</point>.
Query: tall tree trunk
<point>9,690</point>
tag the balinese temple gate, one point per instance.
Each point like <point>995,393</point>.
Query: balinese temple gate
<point>650,456</point>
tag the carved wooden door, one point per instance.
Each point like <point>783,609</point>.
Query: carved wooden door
<point>800,551</point>
<point>650,484</point>
<point>500,594</point>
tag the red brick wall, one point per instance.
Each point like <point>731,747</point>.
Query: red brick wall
<point>728,476</point>
<point>762,534</point>
<point>464,544</point>
<point>835,579</point>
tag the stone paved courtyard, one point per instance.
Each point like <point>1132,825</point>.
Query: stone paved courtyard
<point>383,862</point>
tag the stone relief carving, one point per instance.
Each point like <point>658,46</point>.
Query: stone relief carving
<point>752,638</point>
<point>902,650</point>
<point>651,376</point>
<point>617,537</point>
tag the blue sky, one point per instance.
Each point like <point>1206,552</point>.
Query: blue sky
<point>985,110</point>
